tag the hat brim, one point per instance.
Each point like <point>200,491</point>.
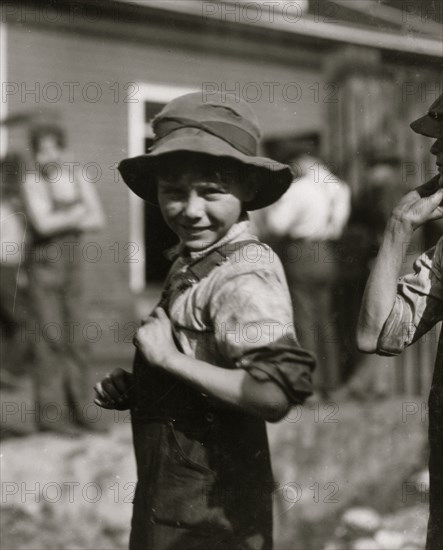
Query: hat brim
<point>140,173</point>
<point>428,126</point>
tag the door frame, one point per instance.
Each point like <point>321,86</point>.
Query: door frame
<point>138,131</point>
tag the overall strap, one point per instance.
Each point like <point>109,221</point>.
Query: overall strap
<point>202,267</point>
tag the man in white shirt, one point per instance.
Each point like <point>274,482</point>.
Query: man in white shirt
<point>303,227</point>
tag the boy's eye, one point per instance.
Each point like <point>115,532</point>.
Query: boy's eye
<point>214,191</point>
<point>175,191</point>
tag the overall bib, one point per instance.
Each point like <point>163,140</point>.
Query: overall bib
<point>204,472</point>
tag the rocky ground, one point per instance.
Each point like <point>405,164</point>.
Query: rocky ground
<point>59,493</point>
<point>349,476</point>
<point>350,471</point>
<point>365,529</point>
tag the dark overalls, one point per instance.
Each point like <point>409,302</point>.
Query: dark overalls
<point>435,525</point>
<point>204,474</point>
<point>204,471</point>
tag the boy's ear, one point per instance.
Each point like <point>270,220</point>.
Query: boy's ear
<point>250,189</point>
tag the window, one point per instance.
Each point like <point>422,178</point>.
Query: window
<point>148,231</point>
<point>157,235</point>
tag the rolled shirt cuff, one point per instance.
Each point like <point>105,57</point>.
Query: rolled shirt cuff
<point>288,365</point>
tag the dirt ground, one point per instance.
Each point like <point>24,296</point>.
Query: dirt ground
<point>349,475</point>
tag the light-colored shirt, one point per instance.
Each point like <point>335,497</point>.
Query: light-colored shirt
<point>240,315</point>
<point>418,305</point>
<point>315,207</point>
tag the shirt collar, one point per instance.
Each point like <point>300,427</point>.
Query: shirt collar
<point>190,256</point>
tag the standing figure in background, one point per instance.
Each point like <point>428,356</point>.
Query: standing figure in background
<point>15,350</point>
<point>60,206</point>
<point>381,189</point>
<point>304,227</point>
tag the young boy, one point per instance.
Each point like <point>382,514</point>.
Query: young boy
<point>219,357</point>
<point>397,312</point>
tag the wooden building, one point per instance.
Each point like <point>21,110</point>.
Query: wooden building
<point>347,70</point>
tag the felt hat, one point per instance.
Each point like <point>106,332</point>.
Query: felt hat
<point>431,125</point>
<point>220,127</point>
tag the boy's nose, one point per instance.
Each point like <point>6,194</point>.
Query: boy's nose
<point>194,206</point>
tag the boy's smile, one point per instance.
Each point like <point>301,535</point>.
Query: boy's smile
<point>198,210</point>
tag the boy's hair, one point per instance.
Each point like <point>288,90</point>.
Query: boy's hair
<point>224,170</point>
<point>37,133</point>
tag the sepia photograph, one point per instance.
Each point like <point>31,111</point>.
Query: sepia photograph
<point>221,274</point>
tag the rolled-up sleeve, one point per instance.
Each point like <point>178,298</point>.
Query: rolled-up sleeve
<point>418,305</point>
<point>289,366</point>
<point>254,330</point>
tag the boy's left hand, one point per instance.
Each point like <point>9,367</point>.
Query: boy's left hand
<point>154,339</point>
<point>113,392</point>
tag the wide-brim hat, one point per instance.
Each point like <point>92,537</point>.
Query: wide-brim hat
<point>218,126</point>
<point>431,125</point>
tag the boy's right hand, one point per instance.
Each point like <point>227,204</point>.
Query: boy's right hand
<point>113,390</point>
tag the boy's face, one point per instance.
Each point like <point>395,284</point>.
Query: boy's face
<point>198,208</point>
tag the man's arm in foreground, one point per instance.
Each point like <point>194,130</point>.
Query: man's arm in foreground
<point>417,207</point>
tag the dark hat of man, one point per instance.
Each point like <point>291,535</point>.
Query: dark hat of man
<point>431,125</point>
